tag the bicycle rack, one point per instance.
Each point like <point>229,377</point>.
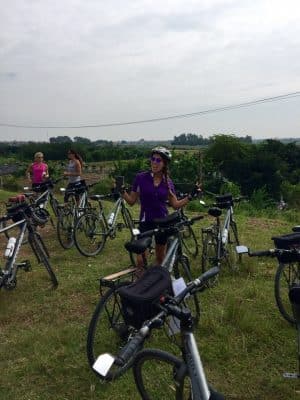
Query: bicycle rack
<point>294,296</point>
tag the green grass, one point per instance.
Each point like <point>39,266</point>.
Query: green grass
<point>245,343</point>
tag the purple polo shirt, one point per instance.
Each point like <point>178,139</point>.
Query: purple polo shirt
<point>153,198</point>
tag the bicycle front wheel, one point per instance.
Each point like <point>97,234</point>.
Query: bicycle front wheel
<point>286,276</point>
<point>42,255</point>
<point>189,241</point>
<point>108,331</point>
<point>90,234</point>
<point>65,228</point>
<point>233,258</point>
<point>159,375</point>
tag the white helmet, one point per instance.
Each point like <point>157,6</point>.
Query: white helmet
<point>165,153</point>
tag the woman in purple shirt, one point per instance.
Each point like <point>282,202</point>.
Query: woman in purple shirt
<point>154,188</point>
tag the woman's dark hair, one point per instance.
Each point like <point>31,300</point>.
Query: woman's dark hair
<point>77,156</point>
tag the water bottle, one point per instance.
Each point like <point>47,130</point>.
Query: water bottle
<point>111,218</point>
<point>10,247</point>
<point>224,235</point>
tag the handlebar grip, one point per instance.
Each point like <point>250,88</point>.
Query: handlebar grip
<point>127,352</point>
<point>209,274</point>
<point>261,253</point>
<point>147,233</point>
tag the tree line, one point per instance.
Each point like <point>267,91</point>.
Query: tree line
<point>227,163</point>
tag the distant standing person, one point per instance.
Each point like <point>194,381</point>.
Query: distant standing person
<point>74,170</point>
<point>37,172</point>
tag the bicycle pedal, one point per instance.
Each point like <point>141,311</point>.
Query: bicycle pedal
<point>291,375</point>
<point>120,226</point>
<point>25,265</point>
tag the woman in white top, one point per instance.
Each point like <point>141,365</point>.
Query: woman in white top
<point>73,171</point>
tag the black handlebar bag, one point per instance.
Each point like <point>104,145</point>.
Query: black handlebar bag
<point>139,299</point>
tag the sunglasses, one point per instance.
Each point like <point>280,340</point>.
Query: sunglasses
<point>156,159</point>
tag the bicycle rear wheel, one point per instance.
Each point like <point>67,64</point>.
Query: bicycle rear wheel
<point>159,375</point>
<point>90,234</point>
<point>108,331</point>
<point>189,241</point>
<point>65,228</point>
<point>286,276</point>
<point>209,253</point>
<point>42,255</point>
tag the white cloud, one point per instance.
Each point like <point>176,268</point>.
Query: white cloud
<point>79,62</point>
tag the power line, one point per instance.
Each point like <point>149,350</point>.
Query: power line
<point>198,113</point>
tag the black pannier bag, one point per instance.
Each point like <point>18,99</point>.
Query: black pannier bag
<point>139,299</point>
<point>224,200</point>
<point>288,242</point>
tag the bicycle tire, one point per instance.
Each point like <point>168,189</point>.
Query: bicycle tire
<point>182,269</point>
<point>232,257</point>
<point>65,228</point>
<point>40,251</point>
<point>90,234</point>
<point>128,220</point>
<point>108,332</point>
<point>189,241</point>
<point>129,224</point>
<point>159,375</point>
<point>55,206</point>
<point>286,275</point>
<point>209,256</point>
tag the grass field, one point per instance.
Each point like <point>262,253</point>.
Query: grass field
<point>245,343</point>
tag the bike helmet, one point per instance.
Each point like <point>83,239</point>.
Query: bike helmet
<point>165,153</point>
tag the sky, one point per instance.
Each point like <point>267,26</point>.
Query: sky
<point>77,63</point>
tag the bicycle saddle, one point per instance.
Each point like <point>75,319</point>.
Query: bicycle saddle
<point>215,211</point>
<point>138,246</point>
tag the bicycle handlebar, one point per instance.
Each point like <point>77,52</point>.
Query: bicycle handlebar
<point>170,306</point>
<point>272,252</point>
<point>172,228</point>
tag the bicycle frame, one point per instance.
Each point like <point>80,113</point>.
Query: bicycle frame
<point>119,206</point>
<point>223,231</point>
<point>194,364</point>
<point>11,267</point>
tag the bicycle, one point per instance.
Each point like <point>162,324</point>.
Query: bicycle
<point>220,239</point>
<point>176,377</point>
<point>42,195</point>
<point>287,275</point>
<point>70,212</point>
<point>26,218</point>
<point>108,313</point>
<point>94,227</point>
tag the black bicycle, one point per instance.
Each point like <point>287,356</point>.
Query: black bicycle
<point>25,218</point>
<point>287,275</point>
<point>160,374</point>
<point>42,195</point>
<point>108,315</point>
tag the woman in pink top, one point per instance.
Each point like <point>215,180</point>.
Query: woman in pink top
<point>37,172</point>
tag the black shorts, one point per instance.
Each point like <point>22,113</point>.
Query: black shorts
<point>161,238</point>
